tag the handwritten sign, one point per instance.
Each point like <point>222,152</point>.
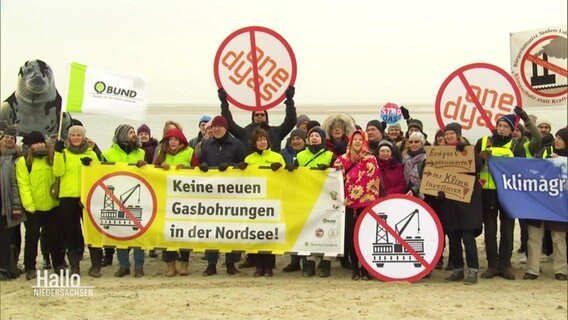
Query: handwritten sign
<point>449,159</point>
<point>456,186</point>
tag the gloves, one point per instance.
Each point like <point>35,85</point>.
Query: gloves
<point>275,166</point>
<point>290,92</point>
<point>522,113</point>
<point>441,195</point>
<point>484,155</point>
<point>223,166</point>
<point>222,94</point>
<point>204,167</point>
<point>322,166</point>
<point>290,167</point>
<point>241,165</point>
<point>405,113</point>
<point>460,146</point>
<point>86,161</point>
<point>59,146</point>
<point>141,163</point>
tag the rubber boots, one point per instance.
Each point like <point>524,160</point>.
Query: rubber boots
<point>183,271</point>
<point>171,269</point>
<point>325,270</point>
<point>96,262</point>
<point>74,258</point>
<point>309,269</point>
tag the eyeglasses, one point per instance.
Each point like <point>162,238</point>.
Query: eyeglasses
<point>259,114</point>
<point>414,141</point>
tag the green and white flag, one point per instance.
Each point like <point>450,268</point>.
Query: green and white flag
<point>93,90</point>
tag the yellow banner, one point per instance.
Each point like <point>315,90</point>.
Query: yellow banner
<point>248,210</point>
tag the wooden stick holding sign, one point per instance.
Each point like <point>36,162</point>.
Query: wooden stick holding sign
<point>456,186</point>
<point>449,159</point>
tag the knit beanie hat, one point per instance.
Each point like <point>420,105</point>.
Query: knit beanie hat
<point>563,134</point>
<point>540,121</point>
<point>376,124</point>
<point>176,133</point>
<point>204,118</point>
<point>509,119</point>
<point>455,127</point>
<point>301,119</point>
<point>77,129</point>
<point>33,137</point>
<point>396,125</point>
<point>313,123</point>
<point>220,122</point>
<point>386,143</point>
<point>121,134</point>
<point>320,131</point>
<point>144,128</point>
<point>415,123</point>
<point>298,133</point>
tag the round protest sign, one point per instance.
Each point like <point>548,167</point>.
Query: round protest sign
<point>398,238</point>
<point>476,96</point>
<point>390,113</point>
<point>121,205</point>
<point>541,72</point>
<point>255,66</point>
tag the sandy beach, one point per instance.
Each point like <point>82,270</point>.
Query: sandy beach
<point>289,296</point>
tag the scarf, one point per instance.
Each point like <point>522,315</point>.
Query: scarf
<point>411,173</point>
<point>80,149</point>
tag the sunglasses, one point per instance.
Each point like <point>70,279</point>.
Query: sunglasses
<point>414,141</point>
<point>259,114</point>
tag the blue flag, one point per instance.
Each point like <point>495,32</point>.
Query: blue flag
<point>532,188</point>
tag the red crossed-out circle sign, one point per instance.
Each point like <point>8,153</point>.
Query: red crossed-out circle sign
<point>476,96</point>
<point>398,238</point>
<point>122,205</point>
<point>255,66</point>
<point>548,74</point>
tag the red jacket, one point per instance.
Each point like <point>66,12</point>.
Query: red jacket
<point>392,177</point>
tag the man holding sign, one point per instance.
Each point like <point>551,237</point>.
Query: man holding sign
<point>500,144</point>
<point>260,120</point>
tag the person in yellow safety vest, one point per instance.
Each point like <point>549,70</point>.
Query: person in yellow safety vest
<point>316,155</point>
<point>261,155</point>
<point>500,144</point>
<point>557,229</point>
<point>531,146</point>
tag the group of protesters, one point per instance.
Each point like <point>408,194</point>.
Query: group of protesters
<point>376,160</point>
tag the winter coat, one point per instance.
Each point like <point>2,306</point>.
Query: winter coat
<point>361,180</point>
<point>149,149</point>
<point>35,184</point>
<point>116,154</point>
<point>290,155</point>
<point>266,158</point>
<point>9,193</point>
<point>67,165</point>
<point>227,150</point>
<point>275,133</point>
<point>392,177</point>
<point>183,157</point>
<point>306,158</point>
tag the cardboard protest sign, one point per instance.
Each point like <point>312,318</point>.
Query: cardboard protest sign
<point>449,159</point>
<point>456,186</point>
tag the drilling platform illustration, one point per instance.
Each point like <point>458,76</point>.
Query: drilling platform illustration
<point>385,251</point>
<point>111,216</point>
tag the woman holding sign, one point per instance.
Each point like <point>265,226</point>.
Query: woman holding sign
<point>262,156</point>
<point>462,221</point>
<point>361,178</point>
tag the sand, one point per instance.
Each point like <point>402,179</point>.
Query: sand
<point>289,296</point>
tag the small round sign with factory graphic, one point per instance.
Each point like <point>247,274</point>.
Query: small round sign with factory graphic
<point>121,205</point>
<point>398,238</point>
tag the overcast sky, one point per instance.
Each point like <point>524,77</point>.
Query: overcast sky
<point>348,52</point>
